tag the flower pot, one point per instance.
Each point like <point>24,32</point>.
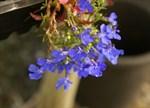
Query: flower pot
<point>121,85</point>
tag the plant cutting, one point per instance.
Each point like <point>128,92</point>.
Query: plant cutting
<point>77,40</point>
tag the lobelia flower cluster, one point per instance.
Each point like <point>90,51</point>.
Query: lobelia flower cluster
<point>76,43</point>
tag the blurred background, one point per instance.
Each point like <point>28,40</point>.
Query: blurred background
<point>125,85</point>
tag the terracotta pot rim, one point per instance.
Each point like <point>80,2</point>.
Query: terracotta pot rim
<point>141,59</point>
<point>143,4</point>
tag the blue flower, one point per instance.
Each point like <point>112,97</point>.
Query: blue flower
<point>92,54</point>
<point>99,46</point>
<point>63,82</point>
<point>112,54</point>
<point>81,70</point>
<point>82,73</point>
<point>100,58</point>
<point>85,50</point>
<point>59,67</point>
<point>107,33</point>
<point>77,54</point>
<point>46,65</point>
<point>85,37</point>
<point>112,18</point>
<point>41,61</point>
<point>112,33</point>
<point>103,35</point>
<point>68,67</point>
<point>58,55</point>
<point>85,5</point>
<point>95,69</point>
<point>35,72</point>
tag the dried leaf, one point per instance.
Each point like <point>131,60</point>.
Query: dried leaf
<point>36,17</point>
<point>63,1</point>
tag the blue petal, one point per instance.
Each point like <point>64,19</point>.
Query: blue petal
<point>85,5</point>
<point>114,60</point>
<point>81,2</point>
<point>101,58</point>
<point>44,68</point>
<point>72,52</point>
<point>59,58</point>
<point>67,85</point>
<point>112,54</point>
<point>48,67</point>
<point>110,35</point>
<point>82,73</point>
<point>86,39</point>
<point>102,66</point>
<point>68,67</point>
<point>95,71</point>
<point>51,67</point>
<point>87,60</point>
<point>55,53</point>
<point>87,31</point>
<point>60,83</point>
<point>79,56</point>
<point>105,40</point>
<point>99,46</point>
<point>41,61</point>
<point>62,57</point>
<point>117,36</point>
<point>33,68</point>
<point>121,52</point>
<point>103,28</point>
<point>90,8</point>
<point>60,68</point>
<point>85,36</point>
<point>75,67</point>
<point>113,16</point>
<point>35,76</point>
<point>110,32</point>
<point>114,51</point>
